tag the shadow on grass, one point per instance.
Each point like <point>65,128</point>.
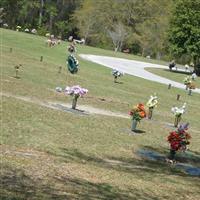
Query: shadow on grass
<point>15,185</point>
<point>17,77</point>
<point>118,82</point>
<point>139,131</point>
<point>141,167</point>
<point>183,162</point>
<point>189,157</point>
<point>74,111</point>
<point>135,132</point>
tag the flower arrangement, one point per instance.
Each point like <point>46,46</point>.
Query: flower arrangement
<point>194,76</point>
<point>188,82</point>
<point>47,35</point>
<point>137,113</point>
<point>116,73</point>
<point>151,104</point>
<point>178,140</point>
<point>72,48</point>
<point>5,25</point>
<point>34,31</point>
<point>73,64</point>
<point>178,113</point>
<point>75,91</point>
<point>18,28</point>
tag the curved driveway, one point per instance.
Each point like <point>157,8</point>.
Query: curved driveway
<point>132,67</point>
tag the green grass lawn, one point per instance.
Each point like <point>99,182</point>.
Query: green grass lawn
<point>50,154</point>
<point>175,76</point>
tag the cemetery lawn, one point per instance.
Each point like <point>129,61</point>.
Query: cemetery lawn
<point>175,76</point>
<point>50,154</point>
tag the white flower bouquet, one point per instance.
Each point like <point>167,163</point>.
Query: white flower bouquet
<point>151,104</point>
<point>178,113</point>
<point>116,73</point>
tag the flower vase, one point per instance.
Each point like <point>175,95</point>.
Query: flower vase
<point>134,125</point>
<point>172,154</point>
<point>150,113</point>
<point>17,71</point>
<point>177,120</point>
<point>74,101</point>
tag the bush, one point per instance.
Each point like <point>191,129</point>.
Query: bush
<point>42,31</point>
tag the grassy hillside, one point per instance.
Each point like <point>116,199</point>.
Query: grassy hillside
<point>50,154</point>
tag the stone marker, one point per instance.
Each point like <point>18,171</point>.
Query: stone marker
<point>17,70</point>
<point>178,97</point>
<point>41,58</point>
<point>169,86</point>
<point>59,69</point>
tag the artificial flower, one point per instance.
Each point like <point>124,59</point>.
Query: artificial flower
<point>179,139</point>
<point>152,102</point>
<point>117,73</point>
<point>138,112</point>
<point>187,80</point>
<point>178,111</point>
<point>76,90</point>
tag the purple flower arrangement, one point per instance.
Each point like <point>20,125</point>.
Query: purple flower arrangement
<point>75,91</point>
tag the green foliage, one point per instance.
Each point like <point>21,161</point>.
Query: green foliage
<point>184,34</point>
<point>42,15</point>
<point>115,24</point>
<point>125,23</point>
<point>42,30</point>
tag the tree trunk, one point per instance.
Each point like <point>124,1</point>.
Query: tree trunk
<point>143,51</point>
<point>40,13</point>
<point>158,55</point>
<point>50,22</point>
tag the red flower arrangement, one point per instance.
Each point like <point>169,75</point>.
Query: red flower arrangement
<point>178,140</point>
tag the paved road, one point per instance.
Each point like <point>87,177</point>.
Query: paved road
<point>132,67</point>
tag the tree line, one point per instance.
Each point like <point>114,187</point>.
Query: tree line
<point>162,29</point>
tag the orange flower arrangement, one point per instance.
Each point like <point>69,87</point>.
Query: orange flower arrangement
<point>138,112</point>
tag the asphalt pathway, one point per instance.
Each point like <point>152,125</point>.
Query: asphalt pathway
<point>135,68</point>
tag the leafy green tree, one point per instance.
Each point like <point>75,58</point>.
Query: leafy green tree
<point>151,32</point>
<point>85,19</point>
<point>118,35</point>
<point>184,33</point>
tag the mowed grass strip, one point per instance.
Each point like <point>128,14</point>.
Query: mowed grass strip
<point>50,154</point>
<point>57,152</point>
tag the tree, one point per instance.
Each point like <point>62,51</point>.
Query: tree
<point>151,32</point>
<point>85,19</point>
<point>118,35</point>
<point>184,33</point>
<point>1,15</point>
<point>41,12</point>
